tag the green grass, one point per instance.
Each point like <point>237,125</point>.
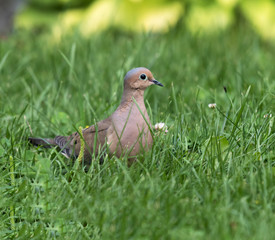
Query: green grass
<point>211,177</point>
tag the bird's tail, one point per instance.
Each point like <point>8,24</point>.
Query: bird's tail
<point>44,142</point>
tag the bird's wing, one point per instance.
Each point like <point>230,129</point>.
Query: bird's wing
<point>63,144</point>
<point>70,145</point>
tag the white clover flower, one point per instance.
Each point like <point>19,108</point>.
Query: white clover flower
<point>268,115</point>
<point>212,105</point>
<point>161,127</point>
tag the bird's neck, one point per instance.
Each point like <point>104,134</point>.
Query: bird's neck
<point>130,94</point>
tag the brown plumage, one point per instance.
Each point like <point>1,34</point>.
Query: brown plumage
<point>126,131</point>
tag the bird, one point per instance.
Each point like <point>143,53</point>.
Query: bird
<point>127,131</point>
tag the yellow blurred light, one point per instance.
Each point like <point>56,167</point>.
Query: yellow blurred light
<point>66,22</point>
<point>209,18</point>
<point>262,16</point>
<point>98,16</point>
<point>228,3</point>
<point>131,15</point>
<point>160,19</point>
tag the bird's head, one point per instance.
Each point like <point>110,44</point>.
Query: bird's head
<point>140,78</point>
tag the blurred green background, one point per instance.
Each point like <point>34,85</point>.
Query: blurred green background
<point>89,16</point>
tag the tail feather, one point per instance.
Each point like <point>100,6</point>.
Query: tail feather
<point>44,142</point>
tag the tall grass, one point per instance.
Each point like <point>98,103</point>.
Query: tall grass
<point>210,177</point>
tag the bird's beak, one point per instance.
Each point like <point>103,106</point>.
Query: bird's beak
<point>157,82</point>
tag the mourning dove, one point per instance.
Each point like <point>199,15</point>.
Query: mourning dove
<point>126,131</point>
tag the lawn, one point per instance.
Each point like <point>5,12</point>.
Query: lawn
<point>212,176</point>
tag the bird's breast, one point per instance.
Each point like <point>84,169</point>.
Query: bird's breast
<point>129,133</point>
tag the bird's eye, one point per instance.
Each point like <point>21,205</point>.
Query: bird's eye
<point>143,77</point>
